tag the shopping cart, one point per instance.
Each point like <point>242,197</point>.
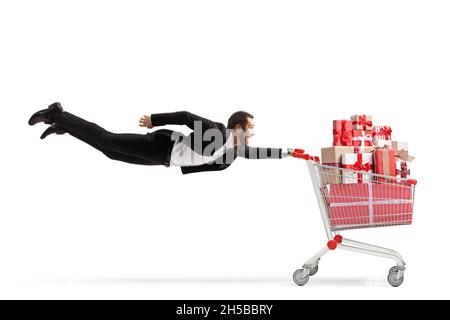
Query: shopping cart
<point>366,200</point>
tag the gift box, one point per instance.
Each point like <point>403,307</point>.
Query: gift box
<point>357,161</point>
<point>369,204</point>
<point>332,156</point>
<point>364,149</point>
<point>402,169</point>
<point>362,122</point>
<point>399,145</point>
<point>401,151</point>
<point>384,160</point>
<point>342,133</point>
<point>387,144</point>
<point>382,136</point>
<point>362,138</point>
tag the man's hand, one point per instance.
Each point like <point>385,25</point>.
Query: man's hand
<point>146,121</point>
<point>296,153</point>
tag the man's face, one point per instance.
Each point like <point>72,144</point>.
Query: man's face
<point>246,133</point>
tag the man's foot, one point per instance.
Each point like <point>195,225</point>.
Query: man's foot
<point>46,115</point>
<point>54,128</point>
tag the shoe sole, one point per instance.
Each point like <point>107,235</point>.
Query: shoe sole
<point>54,106</point>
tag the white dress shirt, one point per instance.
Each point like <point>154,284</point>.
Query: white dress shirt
<point>183,155</point>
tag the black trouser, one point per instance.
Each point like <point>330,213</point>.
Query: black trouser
<point>147,149</point>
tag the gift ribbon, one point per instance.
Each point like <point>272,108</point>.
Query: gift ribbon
<point>386,163</point>
<point>342,137</point>
<point>404,172</point>
<point>362,120</point>
<point>358,166</point>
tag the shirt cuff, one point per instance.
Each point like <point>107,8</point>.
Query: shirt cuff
<point>286,153</point>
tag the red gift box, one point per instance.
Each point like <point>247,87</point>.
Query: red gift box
<point>370,204</point>
<point>342,133</point>
<point>362,138</point>
<point>385,162</point>
<point>382,132</point>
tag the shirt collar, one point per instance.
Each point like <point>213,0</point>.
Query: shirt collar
<point>230,141</point>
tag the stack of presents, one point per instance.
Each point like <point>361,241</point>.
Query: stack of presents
<point>358,198</point>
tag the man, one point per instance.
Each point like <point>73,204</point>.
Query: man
<point>210,147</point>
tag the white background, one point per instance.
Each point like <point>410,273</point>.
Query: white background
<point>75,224</point>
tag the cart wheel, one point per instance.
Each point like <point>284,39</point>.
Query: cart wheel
<point>393,269</point>
<point>392,279</point>
<point>298,279</point>
<point>314,270</point>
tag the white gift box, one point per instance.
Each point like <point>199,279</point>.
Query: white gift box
<point>382,136</point>
<point>357,161</point>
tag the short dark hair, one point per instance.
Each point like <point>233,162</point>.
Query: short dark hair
<point>240,117</point>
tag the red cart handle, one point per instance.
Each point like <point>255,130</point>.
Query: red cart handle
<point>298,151</point>
<point>301,156</point>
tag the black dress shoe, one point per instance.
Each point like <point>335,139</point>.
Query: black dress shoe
<point>54,128</point>
<point>46,115</point>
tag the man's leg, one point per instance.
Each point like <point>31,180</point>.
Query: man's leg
<point>114,155</point>
<point>124,158</point>
<point>128,147</point>
<point>86,131</point>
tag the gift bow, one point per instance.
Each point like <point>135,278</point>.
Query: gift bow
<point>359,166</point>
<point>345,137</point>
<point>386,132</point>
<point>362,120</point>
<point>403,171</point>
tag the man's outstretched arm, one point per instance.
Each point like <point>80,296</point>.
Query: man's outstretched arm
<point>176,118</point>
<point>262,153</point>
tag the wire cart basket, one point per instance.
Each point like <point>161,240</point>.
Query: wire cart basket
<point>365,200</point>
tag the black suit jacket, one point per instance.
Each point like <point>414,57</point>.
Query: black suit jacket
<point>217,131</point>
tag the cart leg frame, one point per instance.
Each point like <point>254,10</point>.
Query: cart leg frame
<point>396,274</point>
<point>374,250</point>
